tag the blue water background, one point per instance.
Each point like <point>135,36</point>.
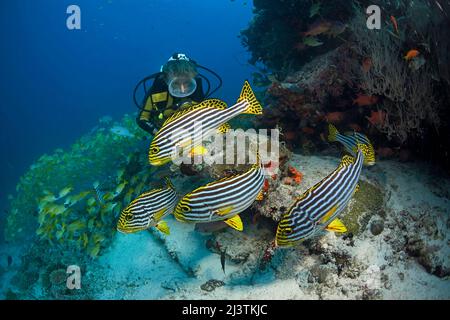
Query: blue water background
<point>56,83</point>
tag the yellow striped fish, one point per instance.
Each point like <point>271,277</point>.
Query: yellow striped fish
<point>319,206</point>
<point>187,127</point>
<point>222,200</point>
<point>147,210</point>
<point>350,141</point>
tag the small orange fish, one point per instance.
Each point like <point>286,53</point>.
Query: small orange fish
<point>290,135</point>
<point>377,117</point>
<point>395,24</point>
<point>411,54</point>
<point>355,127</point>
<point>363,100</point>
<point>334,117</point>
<point>367,64</point>
<point>307,130</point>
<point>317,28</point>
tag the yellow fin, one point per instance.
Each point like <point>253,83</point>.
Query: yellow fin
<point>159,214</point>
<point>163,227</point>
<point>260,196</point>
<point>336,226</point>
<point>224,128</point>
<point>248,95</point>
<point>347,160</point>
<point>235,223</point>
<point>356,188</point>
<point>223,211</point>
<point>198,151</point>
<point>328,214</point>
<point>332,132</point>
<point>208,103</point>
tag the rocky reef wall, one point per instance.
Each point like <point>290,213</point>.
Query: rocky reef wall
<point>330,68</point>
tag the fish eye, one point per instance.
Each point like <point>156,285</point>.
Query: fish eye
<point>185,209</point>
<point>128,216</point>
<point>154,149</point>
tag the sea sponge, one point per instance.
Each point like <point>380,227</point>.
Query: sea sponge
<point>367,201</point>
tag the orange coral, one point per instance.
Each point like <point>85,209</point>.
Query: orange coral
<point>266,186</point>
<point>364,100</point>
<point>297,176</point>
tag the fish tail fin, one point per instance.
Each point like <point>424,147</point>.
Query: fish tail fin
<point>169,183</point>
<point>332,133</point>
<point>248,95</point>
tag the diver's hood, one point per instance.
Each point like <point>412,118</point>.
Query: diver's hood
<point>182,86</point>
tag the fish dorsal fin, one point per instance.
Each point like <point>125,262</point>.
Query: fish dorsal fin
<point>208,103</point>
<point>336,226</point>
<point>159,214</point>
<point>235,223</point>
<point>347,160</point>
<point>224,128</point>
<point>329,214</point>
<point>248,95</point>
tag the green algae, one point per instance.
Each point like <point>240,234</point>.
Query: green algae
<point>367,201</point>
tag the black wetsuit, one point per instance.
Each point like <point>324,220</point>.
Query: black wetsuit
<point>158,104</point>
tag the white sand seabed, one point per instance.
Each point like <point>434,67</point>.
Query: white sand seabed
<point>139,266</point>
<point>149,265</point>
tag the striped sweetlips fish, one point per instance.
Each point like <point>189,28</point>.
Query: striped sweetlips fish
<point>350,141</point>
<point>148,209</point>
<point>187,127</point>
<point>319,206</point>
<point>224,199</point>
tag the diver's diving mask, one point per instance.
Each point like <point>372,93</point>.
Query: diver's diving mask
<point>182,86</point>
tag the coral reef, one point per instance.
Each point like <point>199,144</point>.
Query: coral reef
<point>365,81</point>
<point>284,35</point>
<point>408,90</point>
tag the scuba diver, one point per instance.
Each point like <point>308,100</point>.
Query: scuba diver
<point>178,85</point>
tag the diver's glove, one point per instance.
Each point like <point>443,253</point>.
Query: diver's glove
<point>147,126</point>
